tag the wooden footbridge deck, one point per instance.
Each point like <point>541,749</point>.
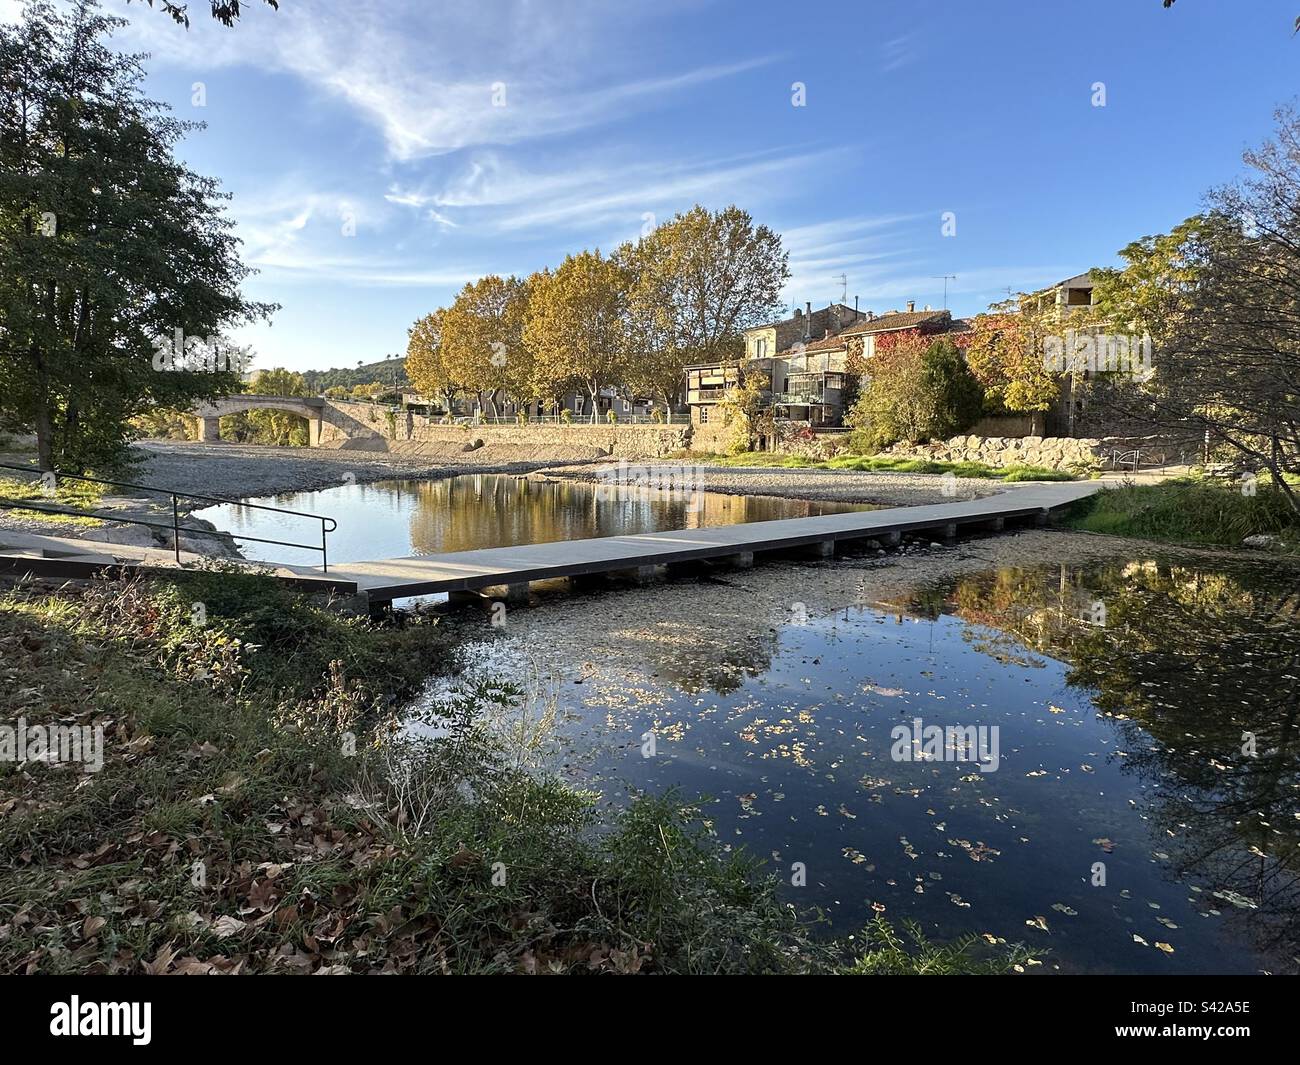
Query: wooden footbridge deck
<point>514,568</point>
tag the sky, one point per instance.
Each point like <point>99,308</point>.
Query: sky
<point>382,153</point>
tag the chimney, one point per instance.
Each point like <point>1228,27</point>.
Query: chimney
<point>807,322</point>
<point>855,308</point>
<point>911,306</point>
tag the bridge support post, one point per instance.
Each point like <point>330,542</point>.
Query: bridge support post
<point>893,539</point>
<point>744,560</point>
<point>461,598</point>
<point>997,524</point>
<point>209,430</point>
<point>950,531</point>
<point>1042,518</point>
<point>821,549</point>
<point>638,574</point>
<point>517,594</point>
<point>314,426</point>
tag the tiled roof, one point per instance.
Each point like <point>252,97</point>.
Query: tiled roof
<point>898,320</point>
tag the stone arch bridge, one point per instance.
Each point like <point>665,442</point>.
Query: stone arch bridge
<point>328,421</point>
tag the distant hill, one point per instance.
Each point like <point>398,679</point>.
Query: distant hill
<point>371,373</point>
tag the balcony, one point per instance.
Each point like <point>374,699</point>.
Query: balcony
<point>801,397</point>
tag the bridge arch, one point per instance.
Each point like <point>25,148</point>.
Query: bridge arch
<point>207,416</point>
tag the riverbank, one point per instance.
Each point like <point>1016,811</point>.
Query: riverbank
<point>249,811</point>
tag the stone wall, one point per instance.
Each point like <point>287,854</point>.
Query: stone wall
<point>1051,452</point>
<point>364,427</point>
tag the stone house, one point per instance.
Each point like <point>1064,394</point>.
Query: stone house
<point>807,359</point>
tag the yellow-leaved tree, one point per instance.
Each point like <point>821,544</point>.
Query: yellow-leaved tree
<point>576,325</point>
<point>482,346</point>
<point>426,365</point>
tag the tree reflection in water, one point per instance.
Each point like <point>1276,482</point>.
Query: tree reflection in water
<point>1198,666</point>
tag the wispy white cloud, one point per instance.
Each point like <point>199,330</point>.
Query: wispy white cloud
<point>435,80</point>
<point>492,193</point>
<point>898,52</point>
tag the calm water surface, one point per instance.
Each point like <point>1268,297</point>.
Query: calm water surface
<point>390,519</point>
<point>1123,749</point>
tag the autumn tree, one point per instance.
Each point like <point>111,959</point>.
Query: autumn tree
<point>1004,351</point>
<point>426,364</point>
<point>576,325</point>
<point>482,341</point>
<point>697,283</point>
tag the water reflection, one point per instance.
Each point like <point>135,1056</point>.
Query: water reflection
<point>1128,696</point>
<point>390,519</point>
<point>1200,671</point>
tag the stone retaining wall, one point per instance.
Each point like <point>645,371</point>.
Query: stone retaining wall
<point>373,429</point>
<point>1051,452</point>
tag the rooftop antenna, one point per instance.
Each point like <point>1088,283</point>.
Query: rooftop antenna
<point>843,279</point>
<point>946,278</point>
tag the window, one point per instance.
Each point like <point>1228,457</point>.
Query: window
<point>704,415</point>
<point>760,348</point>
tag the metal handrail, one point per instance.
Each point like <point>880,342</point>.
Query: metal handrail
<point>327,526</point>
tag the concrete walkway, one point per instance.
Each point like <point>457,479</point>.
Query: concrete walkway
<point>515,567</point>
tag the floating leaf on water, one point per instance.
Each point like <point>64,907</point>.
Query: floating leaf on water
<point>1165,947</point>
<point>1236,899</point>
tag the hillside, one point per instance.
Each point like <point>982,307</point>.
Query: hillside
<point>368,374</point>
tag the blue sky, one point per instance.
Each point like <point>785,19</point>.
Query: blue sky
<point>382,112</point>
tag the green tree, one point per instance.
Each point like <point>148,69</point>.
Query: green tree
<point>918,389</point>
<point>224,11</point>
<point>1218,296</point>
<point>119,272</point>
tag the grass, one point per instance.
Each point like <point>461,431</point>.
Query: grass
<point>1190,511</point>
<point>69,494</point>
<point>254,813</point>
<point>888,464</point>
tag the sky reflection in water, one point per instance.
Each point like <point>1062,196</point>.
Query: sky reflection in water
<point>1119,744</point>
